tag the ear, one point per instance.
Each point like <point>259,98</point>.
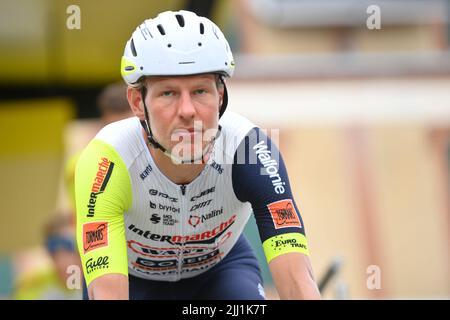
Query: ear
<point>135,101</point>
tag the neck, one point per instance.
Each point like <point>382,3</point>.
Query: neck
<point>177,173</point>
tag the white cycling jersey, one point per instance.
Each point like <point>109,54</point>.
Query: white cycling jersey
<point>132,218</point>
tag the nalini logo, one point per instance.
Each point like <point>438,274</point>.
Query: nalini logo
<point>283,214</point>
<point>194,220</point>
<point>105,168</point>
<point>95,235</point>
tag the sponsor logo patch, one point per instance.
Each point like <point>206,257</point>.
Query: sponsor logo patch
<point>95,235</point>
<point>283,214</point>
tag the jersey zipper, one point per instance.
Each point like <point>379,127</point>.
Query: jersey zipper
<point>182,210</point>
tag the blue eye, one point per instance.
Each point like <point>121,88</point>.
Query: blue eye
<point>200,91</point>
<point>167,93</point>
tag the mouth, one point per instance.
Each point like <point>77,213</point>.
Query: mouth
<point>188,133</point>
<point>181,131</point>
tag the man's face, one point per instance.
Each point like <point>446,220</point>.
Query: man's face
<point>184,112</point>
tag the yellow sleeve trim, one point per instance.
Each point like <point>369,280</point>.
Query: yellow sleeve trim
<point>103,194</point>
<point>285,243</point>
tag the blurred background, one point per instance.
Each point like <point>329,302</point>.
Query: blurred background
<point>359,91</point>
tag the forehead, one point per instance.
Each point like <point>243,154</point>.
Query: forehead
<point>180,80</point>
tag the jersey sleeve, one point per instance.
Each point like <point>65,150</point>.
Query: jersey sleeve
<point>259,177</point>
<point>103,194</point>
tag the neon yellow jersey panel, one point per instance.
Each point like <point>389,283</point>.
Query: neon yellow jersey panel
<point>103,194</point>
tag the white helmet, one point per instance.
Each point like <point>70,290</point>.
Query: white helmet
<point>176,43</point>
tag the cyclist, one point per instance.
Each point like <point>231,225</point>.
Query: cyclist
<point>163,197</point>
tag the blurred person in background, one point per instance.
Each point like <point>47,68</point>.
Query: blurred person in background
<point>60,279</point>
<point>113,106</point>
<point>49,281</point>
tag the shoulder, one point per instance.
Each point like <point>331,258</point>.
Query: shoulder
<point>235,128</point>
<point>124,137</point>
<point>103,168</point>
<point>121,131</point>
<point>235,124</point>
<point>117,142</point>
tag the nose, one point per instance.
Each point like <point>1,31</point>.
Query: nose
<point>186,108</point>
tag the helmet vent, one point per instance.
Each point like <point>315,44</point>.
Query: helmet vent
<point>215,33</point>
<point>180,20</point>
<point>133,49</point>
<point>202,28</point>
<point>161,30</point>
<point>145,31</point>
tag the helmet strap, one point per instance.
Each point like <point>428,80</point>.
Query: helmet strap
<point>223,107</point>
<point>146,124</point>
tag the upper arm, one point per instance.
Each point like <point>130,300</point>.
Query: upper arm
<point>103,194</point>
<point>260,177</point>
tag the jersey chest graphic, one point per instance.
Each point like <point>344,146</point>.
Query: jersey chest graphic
<point>178,231</point>
<point>131,219</point>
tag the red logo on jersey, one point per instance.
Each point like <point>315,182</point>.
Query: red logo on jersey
<point>101,179</point>
<point>283,214</point>
<point>105,168</point>
<point>95,235</point>
<point>194,220</point>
